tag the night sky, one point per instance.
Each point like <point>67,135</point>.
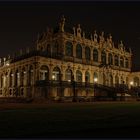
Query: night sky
<point>20,22</point>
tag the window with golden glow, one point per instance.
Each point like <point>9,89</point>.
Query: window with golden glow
<point>87,76</point>
<point>78,76</point>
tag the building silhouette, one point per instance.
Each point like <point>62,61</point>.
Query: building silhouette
<point>67,63</point>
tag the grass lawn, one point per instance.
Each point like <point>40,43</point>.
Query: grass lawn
<point>70,120</point>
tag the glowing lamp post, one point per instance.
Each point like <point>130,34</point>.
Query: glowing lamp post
<point>53,77</point>
<point>131,83</point>
<point>95,82</point>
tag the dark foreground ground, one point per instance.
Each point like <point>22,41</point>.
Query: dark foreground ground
<point>70,120</point>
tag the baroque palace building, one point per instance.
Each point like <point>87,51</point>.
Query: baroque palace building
<point>63,63</point>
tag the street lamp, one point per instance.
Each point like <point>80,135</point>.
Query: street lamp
<point>95,82</point>
<point>131,83</point>
<point>53,77</point>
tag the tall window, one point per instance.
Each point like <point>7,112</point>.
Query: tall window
<point>48,49</point>
<point>116,60</point>
<point>69,49</point>
<point>136,81</point>
<point>44,73</point>
<point>79,51</point>
<point>56,74</point>
<point>103,57</point>
<point>95,55</point>
<point>23,77</point>
<point>11,79</point>
<point>17,78</point>
<point>110,59</point>
<point>30,76</point>
<point>87,53</point>
<point>78,76</point>
<point>55,48</point>
<point>87,77</point>
<point>95,77</point>
<point>121,62</point>
<point>68,75</point>
<point>126,63</point>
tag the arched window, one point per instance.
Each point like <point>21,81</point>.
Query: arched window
<point>116,79</point>
<point>95,55</point>
<point>68,75</point>
<point>95,77</point>
<point>17,78</point>
<point>11,79</point>
<point>78,76</point>
<point>24,77</point>
<point>79,51</point>
<point>136,81</point>
<point>116,59</point>
<point>110,59</point>
<point>121,62</point>
<point>126,63</point>
<point>30,82</point>
<point>103,57</point>
<point>44,73</point>
<point>69,49</point>
<point>55,48</point>
<point>48,49</point>
<point>56,74</point>
<point>87,77</point>
<point>87,53</point>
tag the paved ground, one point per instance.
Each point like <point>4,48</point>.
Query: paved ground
<point>70,120</point>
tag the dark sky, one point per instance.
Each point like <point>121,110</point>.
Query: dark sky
<point>20,22</point>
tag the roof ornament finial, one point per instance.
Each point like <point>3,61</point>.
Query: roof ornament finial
<point>102,37</point>
<point>74,31</point>
<point>110,38</point>
<point>95,36</point>
<point>0,61</point>
<point>79,31</point>
<point>83,34</point>
<point>62,23</point>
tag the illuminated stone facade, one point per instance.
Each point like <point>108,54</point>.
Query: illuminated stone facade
<point>61,55</point>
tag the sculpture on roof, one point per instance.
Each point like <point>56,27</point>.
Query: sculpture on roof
<point>102,37</point>
<point>62,24</point>
<point>95,36</point>
<point>79,31</point>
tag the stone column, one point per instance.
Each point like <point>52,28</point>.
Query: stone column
<point>83,75</point>
<point>91,54</point>
<point>99,56</point>
<point>107,58</point>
